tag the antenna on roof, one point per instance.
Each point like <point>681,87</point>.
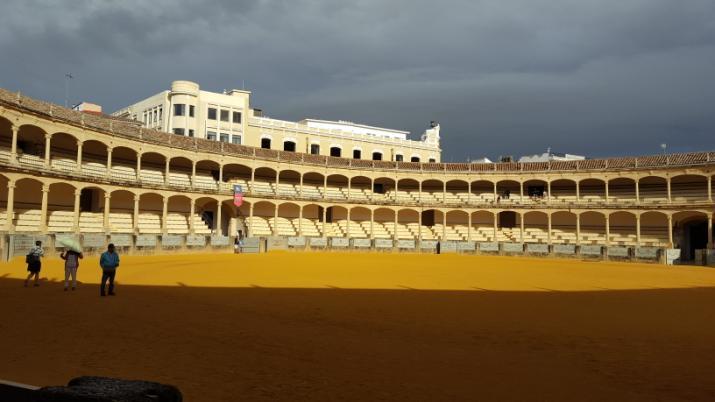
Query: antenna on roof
<point>664,147</point>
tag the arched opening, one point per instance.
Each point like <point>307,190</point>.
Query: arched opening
<point>311,224</point>
<point>415,159</point>
<point>689,188</point>
<point>5,139</point>
<point>94,158</point>
<point>359,223</point>
<point>3,201</point>
<point>536,227</point>
<point>259,224</point>
<point>288,183</point>
<point>206,216</point>
<point>178,213</point>
<point>653,189</point>
<point>383,223</point>
<point>508,225</point>
<point>313,185</point>
<point>563,227</point>
<point>151,206</point>
<point>31,146</point>
<point>357,153</point>
<point>315,149</point>
<point>457,192</point>
<point>266,143</point>
<point>286,224</point>
<point>236,174</point>
<point>654,229</point>
<point>408,221</point>
<point>383,189</point>
<point>60,208</point>
<point>690,233</point>
<point>592,191</point>
<point>124,164</point>
<point>507,191</point>
<point>593,227</point>
<point>360,188</point>
<point>63,152</point>
<point>207,174</point>
<point>335,218</point>
<point>408,191</point>
<point>457,226</point>
<point>264,181</point>
<point>337,187</point>
<point>432,192</point>
<point>536,191</point>
<point>622,227</point>
<point>289,146</point>
<point>121,212</point>
<point>482,192</point>
<point>27,205</point>
<point>377,156</point>
<point>336,152</point>
<point>563,191</point>
<point>483,226</point>
<point>180,169</point>
<point>91,210</point>
<point>153,166</point>
<point>622,189</point>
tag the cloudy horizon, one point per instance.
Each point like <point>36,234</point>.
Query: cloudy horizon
<point>597,78</point>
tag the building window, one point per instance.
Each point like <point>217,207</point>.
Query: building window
<point>211,135</point>
<point>237,117</point>
<point>145,119</point>
<point>191,110</point>
<point>335,151</point>
<point>191,132</point>
<point>289,146</point>
<point>432,160</point>
<point>224,137</point>
<point>399,158</point>
<point>314,149</point>
<point>150,119</point>
<point>236,139</point>
<point>212,113</point>
<point>357,154</point>
<point>377,156</point>
<point>161,113</point>
<point>266,143</point>
<point>179,131</point>
<point>415,159</point>
<point>156,112</point>
<point>179,109</point>
<point>224,115</point>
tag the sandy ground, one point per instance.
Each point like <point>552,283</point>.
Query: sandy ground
<point>357,327</point>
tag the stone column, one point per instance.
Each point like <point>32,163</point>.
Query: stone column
<point>253,180</point>
<point>220,177</point>
<point>670,231</point>
<point>469,192</point>
<point>444,226</point>
<point>638,230</point>
<point>300,217</point>
<point>135,218</point>
<point>13,146</point>
<point>10,205</point>
<point>710,188</point>
<point>164,213</point>
<point>193,174</point>
<point>192,211</point>
<point>578,229</point>
<point>79,155</point>
<point>349,186</point>
<point>548,234</point>
<point>109,161</point>
<point>444,192</point>
<point>578,191</point>
<point>43,208</point>
<point>166,172</point>
<point>75,223</point>
<point>521,227</point>
<point>218,227</point>
<point>278,180</point>
<point>548,191</point>
<point>419,191</point>
<point>300,189</point>
<point>521,192</point>
<point>638,190</point>
<point>275,220</point>
<point>608,230</point>
<point>107,205</point>
<point>397,184</point>
<point>469,226</point>
<point>496,216</point>
<point>372,220</point>
<point>325,186</point>
<point>347,225</point>
<point>139,166</point>
<point>668,183</point>
<point>48,144</point>
<point>710,232</point>
<point>325,213</point>
<point>419,226</point>
<point>249,226</point>
<point>495,191</point>
<point>606,187</point>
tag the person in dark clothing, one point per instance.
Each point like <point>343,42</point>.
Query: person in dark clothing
<point>34,263</point>
<point>109,261</point>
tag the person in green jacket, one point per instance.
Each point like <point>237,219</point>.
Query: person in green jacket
<point>109,261</point>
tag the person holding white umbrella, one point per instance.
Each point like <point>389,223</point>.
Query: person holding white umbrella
<point>72,254</point>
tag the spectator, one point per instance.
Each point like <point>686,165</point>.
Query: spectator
<point>109,261</point>
<point>34,263</point>
<point>71,258</point>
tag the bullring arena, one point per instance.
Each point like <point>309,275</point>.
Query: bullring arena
<point>335,318</point>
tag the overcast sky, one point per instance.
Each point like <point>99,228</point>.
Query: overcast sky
<point>503,77</point>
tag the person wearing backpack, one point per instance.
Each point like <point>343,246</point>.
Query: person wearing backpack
<point>34,263</point>
<point>109,261</point>
<point>71,258</point>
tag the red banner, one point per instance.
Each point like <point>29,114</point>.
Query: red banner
<point>237,199</point>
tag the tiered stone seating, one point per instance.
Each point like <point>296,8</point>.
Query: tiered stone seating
<point>149,223</point>
<point>332,229</point>
<point>403,232</point>
<point>309,227</point>
<point>121,222</point>
<point>33,160</point>
<point>687,192</point>
<point>380,230</point>
<point>200,227</point>
<point>287,190</point>
<point>177,223</point>
<point>91,222</point>
<point>335,193</point>
<point>123,172</point>
<point>205,182</point>
<point>356,228</point>
<point>282,226</point>
<point>60,221</point>
<point>94,167</point>
<point>179,179</point>
<point>27,220</point>
<point>258,226</point>
<point>262,187</point>
<point>359,194</point>
<point>3,218</point>
<point>653,194</point>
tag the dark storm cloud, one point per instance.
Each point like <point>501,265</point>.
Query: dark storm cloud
<point>605,77</point>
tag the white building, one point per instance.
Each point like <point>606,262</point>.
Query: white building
<point>551,156</point>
